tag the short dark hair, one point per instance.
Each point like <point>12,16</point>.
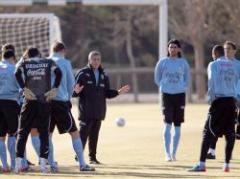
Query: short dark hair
<point>58,46</point>
<point>228,42</point>
<point>8,54</point>
<point>31,52</point>
<point>218,49</point>
<point>8,46</point>
<point>176,42</point>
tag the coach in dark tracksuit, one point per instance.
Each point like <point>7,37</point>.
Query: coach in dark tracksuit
<point>93,89</point>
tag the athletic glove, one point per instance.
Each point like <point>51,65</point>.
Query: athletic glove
<point>28,94</point>
<point>51,94</point>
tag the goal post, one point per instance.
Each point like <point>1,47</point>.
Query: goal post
<point>30,29</point>
<point>162,4</point>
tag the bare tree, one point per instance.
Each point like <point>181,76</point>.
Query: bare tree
<point>188,23</point>
<point>131,58</point>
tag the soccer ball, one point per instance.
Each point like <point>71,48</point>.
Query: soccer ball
<point>120,122</point>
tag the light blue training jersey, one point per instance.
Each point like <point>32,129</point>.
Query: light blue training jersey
<point>172,75</point>
<point>9,89</point>
<point>223,78</point>
<point>65,90</point>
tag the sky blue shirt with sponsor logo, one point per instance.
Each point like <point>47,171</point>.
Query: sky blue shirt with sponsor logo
<point>9,89</point>
<point>223,78</point>
<point>65,90</point>
<point>172,75</point>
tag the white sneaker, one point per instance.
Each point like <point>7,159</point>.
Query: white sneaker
<point>18,165</point>
<point>43,165</point>
<point>54,167</point>
<point>168,158</point>
<point>87,168</point>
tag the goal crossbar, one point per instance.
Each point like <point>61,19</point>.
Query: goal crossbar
<point>162,4</point>
<point>85,2</point>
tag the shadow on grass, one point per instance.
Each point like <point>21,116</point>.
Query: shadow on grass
<point>140,171</point>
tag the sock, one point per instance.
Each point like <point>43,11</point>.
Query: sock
<point>36,144</point>
<point>43,165</point>
<point>78,148</point>
<point>11,148</point>
<point>201,164</point>
<point>3,154</point>
<point>51,160</point>
<point>176,137</point>
<point>211,151</point>
<point>167,138</point>
<point>24,163</point>
<point>18,163</point>
<point>225,165</point>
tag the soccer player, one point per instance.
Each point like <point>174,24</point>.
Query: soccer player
<point>34,77</point>
<point>94,89</point>
<point>223,77</point>
<point>25,162</point>
<point>9,108</point>
<point>229,51</point>
<point>217,53</point>
<point>61,115</point>
<point>172,77</point>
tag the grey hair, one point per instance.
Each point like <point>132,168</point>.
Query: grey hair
<point>93,53</point>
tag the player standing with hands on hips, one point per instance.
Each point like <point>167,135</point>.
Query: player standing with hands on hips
<point>93,89</point>
<point>172,77</point>
<point>34,77</point>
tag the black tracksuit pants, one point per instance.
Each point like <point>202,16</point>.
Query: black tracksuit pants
<point>213,143</point>
<point>90,130</point>
<point>35,114</point>
<point>221,121</point>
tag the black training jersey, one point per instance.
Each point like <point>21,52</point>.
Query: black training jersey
<point>37,75</point>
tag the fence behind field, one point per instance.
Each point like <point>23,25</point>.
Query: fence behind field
<point>142,83</point>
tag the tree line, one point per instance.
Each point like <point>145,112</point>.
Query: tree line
<point>128,35</point>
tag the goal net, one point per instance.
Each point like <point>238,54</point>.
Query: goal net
<point>29,30</point>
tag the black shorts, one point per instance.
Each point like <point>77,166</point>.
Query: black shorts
<point>35,114</point>
<point>173,108</point>
<point>61,116</point>
<point>9,112</point>
<point>222,114</point>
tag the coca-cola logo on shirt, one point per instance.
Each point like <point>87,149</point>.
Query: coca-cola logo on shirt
<point>36,72</point>
<point>36,69</point>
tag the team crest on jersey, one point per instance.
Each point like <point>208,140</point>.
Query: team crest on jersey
<point>87,74</point>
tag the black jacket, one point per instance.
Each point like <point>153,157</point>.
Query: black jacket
<point>92,99</point>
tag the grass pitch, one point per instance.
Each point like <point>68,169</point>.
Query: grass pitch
<point>136,150</point>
